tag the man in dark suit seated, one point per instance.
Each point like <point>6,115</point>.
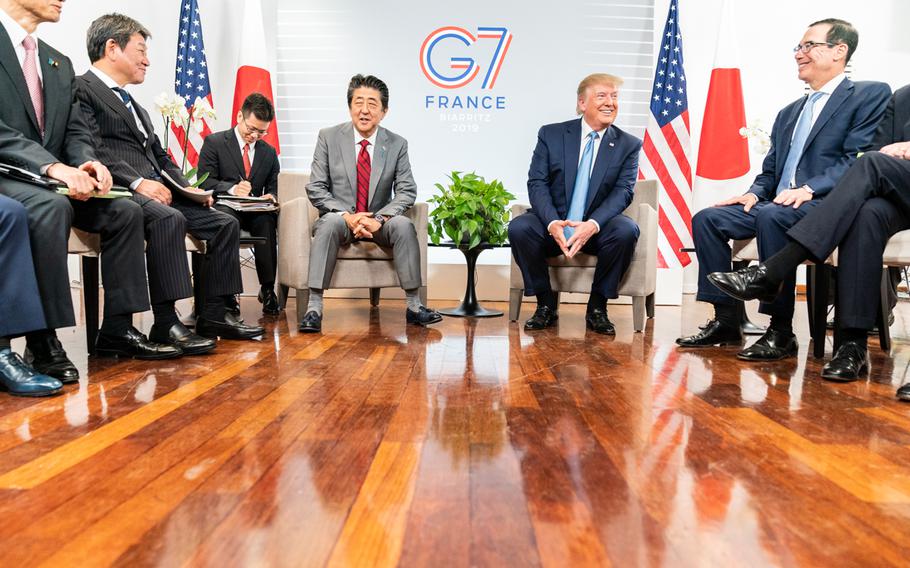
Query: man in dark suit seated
<point>813,142</point>
<point>361,183</point>
<point>238,162</point>
<point>20,304</point>
<point>43,132</point>
<point>868,205</point>
<point>125,138</point>
<point>581,179</point>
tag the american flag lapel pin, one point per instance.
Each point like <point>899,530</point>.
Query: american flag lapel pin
<point>611,144</point>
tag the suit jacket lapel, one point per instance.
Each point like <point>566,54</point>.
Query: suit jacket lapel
<point>233,148</point>
<point>378,163</point>
<point>10,64</point>
<point>605,155</point>
<point>571,148</point>
<point>113,101</point>
<point>837,98</point>
<point>786,136</point>
<point>52,83</point>
<point>346,148</point>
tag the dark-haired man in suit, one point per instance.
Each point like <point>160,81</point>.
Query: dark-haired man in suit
<point>870,203</point>
<point>42,131</point>
<point>125,138</point>
<point>813,141</point>
<point>361,183</point>
<point>581,179</point>
<point>239,162</point>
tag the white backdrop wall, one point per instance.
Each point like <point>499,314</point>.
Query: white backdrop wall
<point>553,46</point>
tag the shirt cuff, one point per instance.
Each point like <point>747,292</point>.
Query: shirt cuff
<point>596,224</point>
<point>43,169</point>
<point>136,183</point>
<point>231,191</point>
<point>550,224</point>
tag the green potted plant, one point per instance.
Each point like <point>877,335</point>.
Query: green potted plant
<point>470,211</point>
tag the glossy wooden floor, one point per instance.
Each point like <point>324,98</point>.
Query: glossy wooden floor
<point>468,444</point>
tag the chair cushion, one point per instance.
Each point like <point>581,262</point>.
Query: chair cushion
<point>897,251</point>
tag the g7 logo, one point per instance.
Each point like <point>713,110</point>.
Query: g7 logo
<point>465,67</point>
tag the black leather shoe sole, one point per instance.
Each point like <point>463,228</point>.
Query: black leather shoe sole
<point>309,328</point>
<point>32,394</point>
<point>767,355</point>
<point>903,394</point>
<point>844,378</point>
<point>66,376</point>
<point>195,350</point>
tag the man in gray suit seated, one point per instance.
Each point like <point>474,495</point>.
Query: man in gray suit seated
<point>361,183</point>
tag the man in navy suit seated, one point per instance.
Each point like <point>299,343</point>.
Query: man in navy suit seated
<point>813,141</point>
<point>581,179</point>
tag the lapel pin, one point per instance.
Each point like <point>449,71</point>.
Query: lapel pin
<point>611,144</point>
<point>53,62</point>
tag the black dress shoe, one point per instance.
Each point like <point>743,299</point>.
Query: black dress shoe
<point>597,321</point>
<point>179,336</point>
<point>903,393</point>
<point>21,380</point>
<point>544,317</point>
<point>713,333</point>
<point>133,344</point>
<point>424,316</point>
<point>850,361</point>
<point>311,322</point>
<point>232,305</point>
<point>749,283</point>
<point>46,355</point>
<point>269,301</point>
<point>231,328</point>
<point>774,345</point>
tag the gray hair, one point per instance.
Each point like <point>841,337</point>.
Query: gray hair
<point>117,27</point>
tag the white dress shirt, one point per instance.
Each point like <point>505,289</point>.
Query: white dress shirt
<point>16,35</point>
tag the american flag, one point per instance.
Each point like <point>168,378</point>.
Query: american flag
<point>665,153</point>
<point>191,81</point>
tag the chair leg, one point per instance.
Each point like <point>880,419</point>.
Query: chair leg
<point>198,283</point>
<point>283,292</point>
<point>649,305</point>
<point>515,295</point>
<point>819,307</point>
<point>303,298</point>
<point>90,298</point>
<point>422,293</point>
<point>884,332</point>
<point>638,313</point>
<point>374,296</point>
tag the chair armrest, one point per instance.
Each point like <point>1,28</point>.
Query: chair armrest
<point>519,208</point>
<point>295,230</point>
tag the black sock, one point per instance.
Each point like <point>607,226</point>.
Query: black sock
<point>596,302</point>
<point>727,315</point>
<point>117,324</point>
<point>547,299</point>
<point>215,308</point>
<point>165,314</point>
<point>782,323</point>
<point>855,335</point>
<point>784,262</point>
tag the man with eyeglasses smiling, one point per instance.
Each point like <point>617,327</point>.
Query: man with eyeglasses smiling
<point>239,162</point>
<point>814,141</point>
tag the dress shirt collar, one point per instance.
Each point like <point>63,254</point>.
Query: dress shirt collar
<point>105,78</point>
<point>15,31</point>
<point>831,85</point>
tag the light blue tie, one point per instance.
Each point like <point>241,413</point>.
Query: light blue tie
<point>803,127</point>
<point>582,179</point>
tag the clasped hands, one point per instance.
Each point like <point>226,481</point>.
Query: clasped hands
<point>362,224</point>
<point>795,197</point>
<point>89,178</point>
<point>159,192</point>
<point>584,230</point>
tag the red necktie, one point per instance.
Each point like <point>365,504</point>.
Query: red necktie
<point>247,166</point>
<point>30,70</point>
<point>363,176</point>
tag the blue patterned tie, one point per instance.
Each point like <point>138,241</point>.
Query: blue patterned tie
<point>803,127</point>
<point>582,179</point>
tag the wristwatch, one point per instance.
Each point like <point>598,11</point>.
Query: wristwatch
<point>381,218</point>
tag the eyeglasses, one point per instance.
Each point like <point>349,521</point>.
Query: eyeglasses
<point>254,130</point>
<point>807,47</point>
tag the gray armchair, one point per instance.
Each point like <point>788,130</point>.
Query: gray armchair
<point>360,264</point>
<point>576,274</point>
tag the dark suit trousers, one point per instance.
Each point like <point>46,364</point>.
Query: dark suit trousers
<point>869,204</point>
<point>714,227</point>
<point>119,222</point>
<point>20,303</point>
<point>222,235</point>
<point>165,252</point>
<point>265,225</point>
<point>613,246</point>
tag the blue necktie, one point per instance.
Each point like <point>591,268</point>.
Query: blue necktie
<point>582,179</point>
<point>803,127</point>
<point>123,95</point>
